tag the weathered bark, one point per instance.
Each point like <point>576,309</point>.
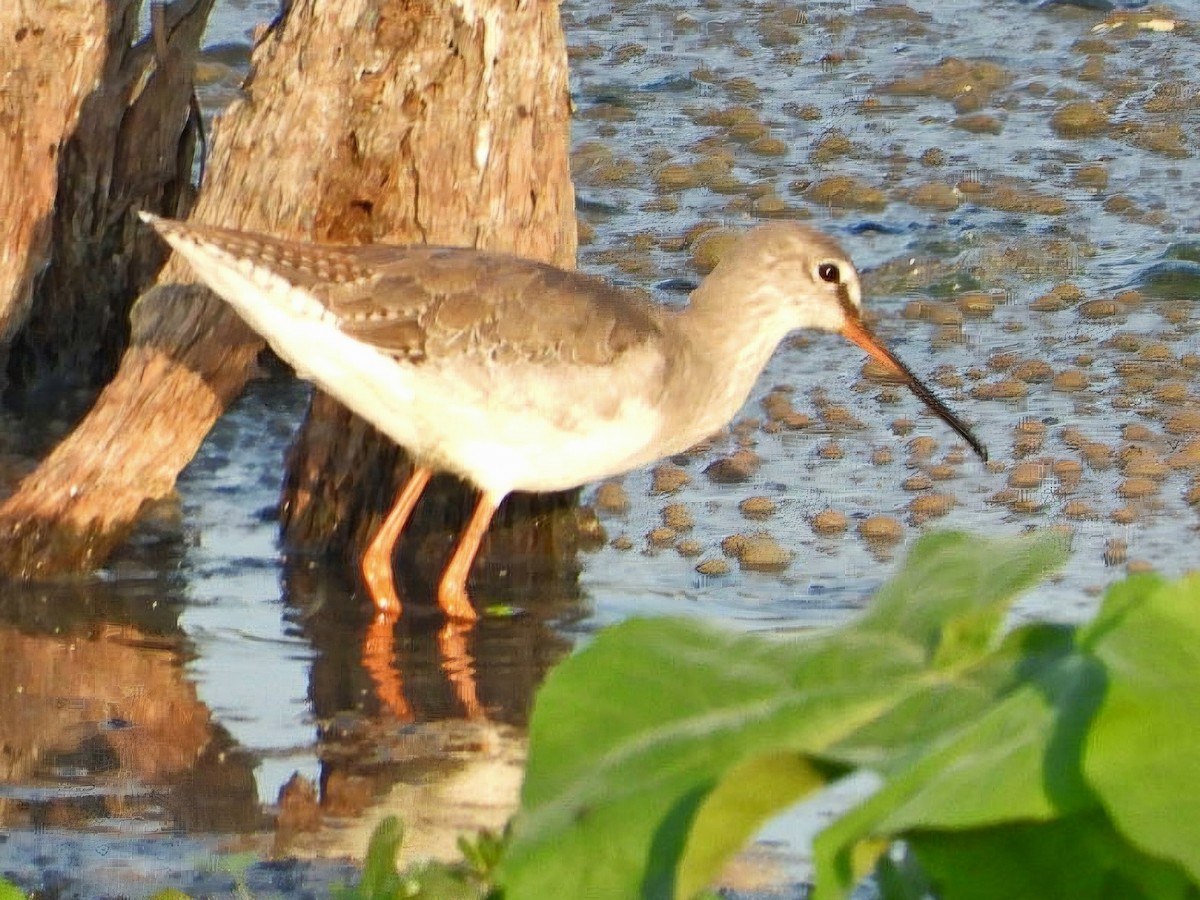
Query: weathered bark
<point>95,126</point>
<point>480,158</point>
<point>363,120</point>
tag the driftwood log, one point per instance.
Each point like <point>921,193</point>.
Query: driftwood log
<point>362,120</point>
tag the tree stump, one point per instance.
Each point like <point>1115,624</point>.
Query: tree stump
<point>362,120</point>
<point>96,125</point>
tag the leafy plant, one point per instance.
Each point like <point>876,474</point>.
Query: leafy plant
<point>1046,761</point>
<point>470,879</point>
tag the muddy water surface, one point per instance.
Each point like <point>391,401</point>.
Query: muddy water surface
<point>1018,185</point>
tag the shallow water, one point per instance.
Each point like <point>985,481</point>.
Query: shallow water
<point>181,690</point>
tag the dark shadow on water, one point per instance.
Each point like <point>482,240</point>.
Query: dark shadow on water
<point>505,654</point>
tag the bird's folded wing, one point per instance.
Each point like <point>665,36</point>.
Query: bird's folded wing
<point>447,303</point>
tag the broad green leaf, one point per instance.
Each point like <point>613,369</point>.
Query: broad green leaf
<point>913,726</point>
<point>629,737</point>
<point>955,590</point>
<point>1016,761</point>
<point>749,794</point>
<point>1143,753</point>
<point>1079,857</point>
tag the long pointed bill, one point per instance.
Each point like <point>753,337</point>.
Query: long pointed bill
<point>856,330</point>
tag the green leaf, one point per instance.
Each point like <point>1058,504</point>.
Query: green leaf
<point>1143,753</point>
<point>629,737</point>
<point>955,590</point>
<point>747,795</point>
<point>9,891</point>
<point>1017,759</point>
<point>380,880</point>
<point>1079,857</point>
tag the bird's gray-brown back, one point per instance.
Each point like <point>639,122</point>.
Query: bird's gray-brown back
<point>447,303</point>
<point>418,302</point>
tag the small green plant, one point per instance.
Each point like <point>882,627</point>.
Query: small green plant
<point>470,879</point>
<point>1046,761</point>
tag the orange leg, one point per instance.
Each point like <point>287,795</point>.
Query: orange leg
<point>376,563</point>
<point>452,591</point>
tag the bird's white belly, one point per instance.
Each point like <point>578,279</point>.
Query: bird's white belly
<point>513,428</point>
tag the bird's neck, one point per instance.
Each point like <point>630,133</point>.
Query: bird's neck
<point>725,353</point>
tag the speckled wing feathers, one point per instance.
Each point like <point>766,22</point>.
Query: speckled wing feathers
<point>447,303</point>
<point>417,302</point>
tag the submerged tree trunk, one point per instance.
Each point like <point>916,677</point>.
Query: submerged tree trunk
<point>479,158</point>
<point>362,120</point>
<point>96,125</point>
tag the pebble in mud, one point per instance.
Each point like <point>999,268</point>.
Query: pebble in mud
<point>667,479</point>
<point>1145,465</point>
<point>1185,422</point>
<point>1026,442</point>
<point>977,304</point>
<point>778,406</point>
<point>689,547</point>
<point>830,521</point>
<point>1082,118</point>
<point>1061,297</point>
<point>1027,475</point>
<point>757,507</point>
<point>831,145</point>
<point>1069,381</point>
<point>677,517</point>
<point>1192,497</point>
<point>1137,432</point>
<point>713,567</point>
<point>922,447</point>
<point>1137,488</point>
<point>881,530</point>
<point>839,418</point>
<point>935,195</point>
<point>709,247</point>
<point>611,498</point>
<point>662,536</point>
<point>1004,389</point>
<point>1097,456</point>
<point>830,450</point>
<point>1171,392</point>
<point>1031,371</point>
<point>845,192</point>
<point>930,506</point>
<point>1099,309</point>
<point>1069,472</point>
<point>1079,509</point>
<point>757,552</point>
<point>1186,457</point>
<point>739,467</point>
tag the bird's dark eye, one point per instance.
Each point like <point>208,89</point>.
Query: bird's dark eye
<point>829,272</point>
